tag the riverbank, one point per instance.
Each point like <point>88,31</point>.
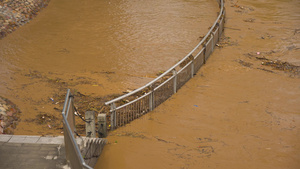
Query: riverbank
<point>15,13</point>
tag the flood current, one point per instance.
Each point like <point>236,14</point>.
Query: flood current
<point>96,48</point>
<point>241,110</point>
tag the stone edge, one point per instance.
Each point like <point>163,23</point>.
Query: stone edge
<point>4,138</point>
<point>31,139</point>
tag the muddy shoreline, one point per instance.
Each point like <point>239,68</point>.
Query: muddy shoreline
<point>15,13</point>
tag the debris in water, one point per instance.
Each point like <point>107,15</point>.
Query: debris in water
<point>246,64</point>
<point>249,20</point>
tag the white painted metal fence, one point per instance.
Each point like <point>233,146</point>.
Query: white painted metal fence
<point>140,101</point>
<point>73,153</point>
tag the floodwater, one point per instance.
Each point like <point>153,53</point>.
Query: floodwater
<point>96,48</point>
<point>237,112</point>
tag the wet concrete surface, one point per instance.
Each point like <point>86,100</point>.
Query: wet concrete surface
<point>99,49</point>
<point>32,152</point>
<point>237,112</point>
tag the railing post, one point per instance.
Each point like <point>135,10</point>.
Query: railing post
<point>112,116</point>
<point>218,26</point>
<point>151,99</point>
<point>192,68</point>
<point>102,130</point>
<point>212,43</point>
<point>90,125</point>
<point>175,80</point>
<point>204,54</point>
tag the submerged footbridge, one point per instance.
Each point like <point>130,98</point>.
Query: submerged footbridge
<point>146,98</point>
<point>138,102</point>
<point>83,152</point>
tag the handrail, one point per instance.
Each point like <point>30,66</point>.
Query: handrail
<point>177,64</point>
<point>69,135</point>
<point>66,101</point>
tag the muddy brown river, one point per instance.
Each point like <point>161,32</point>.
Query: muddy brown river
<point>96,48</point>
<point>241,110</point>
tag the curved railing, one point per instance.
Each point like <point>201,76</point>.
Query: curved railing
<point>144,99</point>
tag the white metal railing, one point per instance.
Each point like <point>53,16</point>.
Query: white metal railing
<point>144,99</point>
<point>73,154</point>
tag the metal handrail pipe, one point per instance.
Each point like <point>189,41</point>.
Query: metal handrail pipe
<point>86,166</point>
<point>164,82</point>
<point>78,153</point>
<point>66,101</point>
<point>124,105</point>
<point>188,64</point>
<point>198,54</point>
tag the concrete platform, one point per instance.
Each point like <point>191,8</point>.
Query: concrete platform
<point>32,152</point>
<point>36,152</point>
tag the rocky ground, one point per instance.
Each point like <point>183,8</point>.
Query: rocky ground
<point>15,13</point>
<point>9,116</point>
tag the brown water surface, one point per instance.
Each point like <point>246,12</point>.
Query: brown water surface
<point>96,48</point>
<point>238,112</point>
